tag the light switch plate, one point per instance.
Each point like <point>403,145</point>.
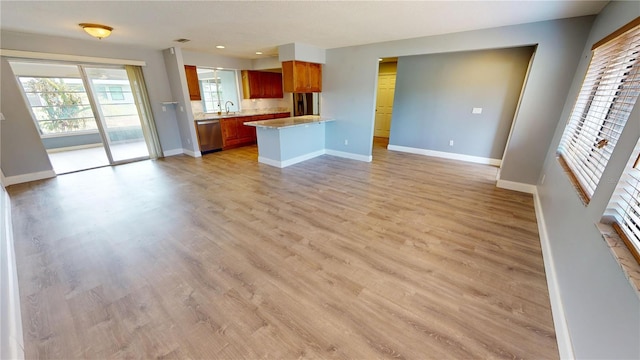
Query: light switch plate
<point>476,111</point>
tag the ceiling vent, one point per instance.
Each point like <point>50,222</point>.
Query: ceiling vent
<point>182,40</point>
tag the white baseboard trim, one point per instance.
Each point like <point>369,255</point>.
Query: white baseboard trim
<point>346,155</point>
<point>195,154</point>
<point>295,160</point>
<point>11,339</point>
<point>517,186</point>
<point>563,337</point>
<point>446,155</point>
<point>173,152</point>
<point>18,179</point>
<point>3,181</point>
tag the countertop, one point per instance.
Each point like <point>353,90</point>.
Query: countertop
<point>289,122</point>
<point>215,116</point>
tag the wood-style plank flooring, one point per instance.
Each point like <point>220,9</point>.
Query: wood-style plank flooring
<point>407,257</point>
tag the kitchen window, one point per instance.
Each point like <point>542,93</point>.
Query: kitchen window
<point>217,87</point>
<point>609,92</point>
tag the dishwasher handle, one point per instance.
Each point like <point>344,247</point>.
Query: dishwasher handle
<point>208,122</point>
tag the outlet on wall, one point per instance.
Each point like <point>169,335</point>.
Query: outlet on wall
<point>450,142</point>
<point>346,141</point>
<point>188,141</point>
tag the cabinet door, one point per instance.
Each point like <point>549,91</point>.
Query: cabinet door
<point>281,115</point>
<point>315,77</point>
<point>274,84</point>
<point>192,82</point>
<point>246,134</point>
<point>229,130</point>
<point>301,76</point>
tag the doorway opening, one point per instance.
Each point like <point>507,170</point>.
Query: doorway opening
<point>86,115</point>
<point>387,70</point>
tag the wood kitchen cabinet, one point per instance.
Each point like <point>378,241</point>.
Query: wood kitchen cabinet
<point>229,129</point>
<point>261,85</point>
<point>301,76</point>
<point>192,82</point>
<point>236,134</point>
<point>246,134</point>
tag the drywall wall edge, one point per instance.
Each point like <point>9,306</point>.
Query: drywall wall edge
<point>11,339</point>
<point>563,337</point>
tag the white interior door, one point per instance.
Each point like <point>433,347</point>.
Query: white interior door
<point>384,104</point>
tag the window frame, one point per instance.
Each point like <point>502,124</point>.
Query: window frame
<point>599,114</point>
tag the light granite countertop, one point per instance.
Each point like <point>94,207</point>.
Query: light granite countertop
<point>214,116</point>
<point>289,122</point>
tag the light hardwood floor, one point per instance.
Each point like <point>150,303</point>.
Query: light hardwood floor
<point>225,258</point>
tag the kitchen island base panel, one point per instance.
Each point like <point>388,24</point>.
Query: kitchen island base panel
<point>287,146</point>
<point>289,162</point>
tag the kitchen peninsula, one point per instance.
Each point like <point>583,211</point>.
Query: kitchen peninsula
<point>227,131</point>
<point>287,141</point>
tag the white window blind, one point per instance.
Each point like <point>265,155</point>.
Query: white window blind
<point>608,94</point>
<point>624,206</point>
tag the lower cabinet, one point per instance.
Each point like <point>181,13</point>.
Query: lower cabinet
<point>236,134</point>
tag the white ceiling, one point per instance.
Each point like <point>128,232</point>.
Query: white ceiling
<point>245,27</point>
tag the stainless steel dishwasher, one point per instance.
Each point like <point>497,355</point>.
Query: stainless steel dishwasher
<point>209,135</point>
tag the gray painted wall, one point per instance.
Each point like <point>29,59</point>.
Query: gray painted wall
<point>22,149</point>
<point>602,310</point>
<point>22,152</point>
<point>180,92</point>
<point>350,76</point>
<point>435,95</point>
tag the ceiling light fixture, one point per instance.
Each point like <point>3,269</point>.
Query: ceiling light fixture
<point>219,46</point>
<point>97,30</point>
<point>258,52</point>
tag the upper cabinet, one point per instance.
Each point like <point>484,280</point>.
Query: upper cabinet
<point>261,85</point>
<point>192,82</point>
<point>301,76</point>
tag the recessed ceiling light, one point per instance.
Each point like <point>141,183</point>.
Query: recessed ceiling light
<point>258,52</point>
<point>379,59</point>
<point>219,68</point>
<point>219,46</point>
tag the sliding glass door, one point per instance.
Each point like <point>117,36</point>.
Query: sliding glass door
<point>87,116</point>
<point>116,109</point>
<point>62,111</point>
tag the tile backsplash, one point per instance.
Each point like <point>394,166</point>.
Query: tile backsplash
<point>252,106</point>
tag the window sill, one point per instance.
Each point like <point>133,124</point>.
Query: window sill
<point>623,256</point>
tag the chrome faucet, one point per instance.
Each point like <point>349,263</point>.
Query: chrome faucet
<point>226,106</point>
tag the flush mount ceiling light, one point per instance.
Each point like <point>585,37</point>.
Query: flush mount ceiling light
<point>219,46</point>
<point>97,30</point>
